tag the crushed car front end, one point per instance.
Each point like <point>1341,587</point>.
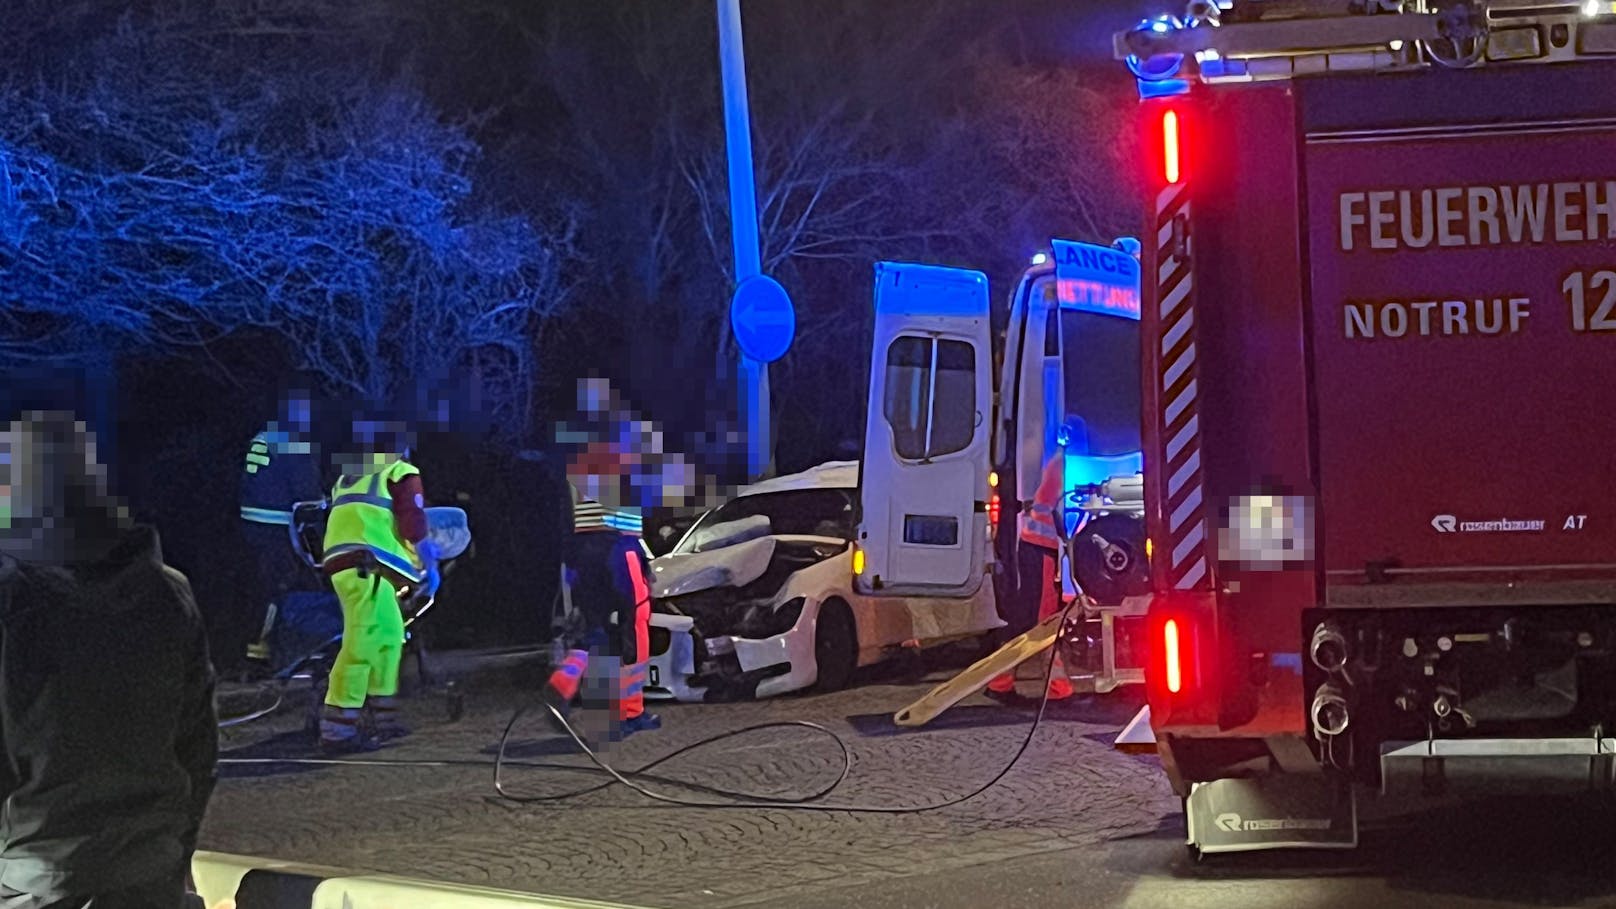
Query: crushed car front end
<point>739,620</point>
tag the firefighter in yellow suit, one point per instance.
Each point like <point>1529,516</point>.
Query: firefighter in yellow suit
<point>375,544</point>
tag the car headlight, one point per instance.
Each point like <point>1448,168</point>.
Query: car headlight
<point>1267,532</point>
<point>765,621</point>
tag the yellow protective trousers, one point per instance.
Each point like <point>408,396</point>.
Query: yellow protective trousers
<point>372,639</point>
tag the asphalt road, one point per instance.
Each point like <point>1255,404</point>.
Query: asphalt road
<point>1504,853</point>
<point>1074,824</point>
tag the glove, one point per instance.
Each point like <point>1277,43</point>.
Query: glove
<point>428,550</point>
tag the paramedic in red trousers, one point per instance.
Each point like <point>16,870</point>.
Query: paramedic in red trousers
<point>282,468</point>
<point>1038,588</point>
<point>604,567</point>
<point>107,723</point>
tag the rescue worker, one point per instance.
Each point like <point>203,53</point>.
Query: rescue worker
<point>108,733</point>
<point>1037,593</point>
<point>282,468</point>
<point>375,545</point>
<point>604,570</point>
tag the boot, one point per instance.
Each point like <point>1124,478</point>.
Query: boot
<point>341,732</point>
<point>563,684</point>
<point>1060,688</point>
<point>259,650</point>
<point>645,722</point>
<point>385,723</point>
<point>1003,690</point>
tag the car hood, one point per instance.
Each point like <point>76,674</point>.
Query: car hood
<point>677,574</point>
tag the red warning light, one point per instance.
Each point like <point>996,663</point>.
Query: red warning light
<point>1171,149</point>
<point>1170,650</point>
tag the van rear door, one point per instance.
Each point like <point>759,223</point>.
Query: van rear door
<point>924,476</point>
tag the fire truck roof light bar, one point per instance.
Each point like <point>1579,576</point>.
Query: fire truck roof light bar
<point>1280,37</point>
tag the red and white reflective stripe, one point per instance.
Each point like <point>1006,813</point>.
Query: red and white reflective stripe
<point>1180,426</point>
<point>636,576</point>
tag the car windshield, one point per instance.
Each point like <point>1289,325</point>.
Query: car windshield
<point>808,512</point>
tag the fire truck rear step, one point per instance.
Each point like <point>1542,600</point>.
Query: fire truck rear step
<point>1498,766</point>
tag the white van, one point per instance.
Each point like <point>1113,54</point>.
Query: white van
<point>800,580</point>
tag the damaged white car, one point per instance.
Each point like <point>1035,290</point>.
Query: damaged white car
<point>758,598</point>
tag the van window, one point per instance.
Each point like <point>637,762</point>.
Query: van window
<point>924,427</point>
<point>908,397</point>
<point>954,414</point>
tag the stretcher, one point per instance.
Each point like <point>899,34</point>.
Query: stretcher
<point>447,527</point>
<point>310,655</point>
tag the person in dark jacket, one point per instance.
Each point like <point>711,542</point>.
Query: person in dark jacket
<point>108,732</point>
<point>282,468</point>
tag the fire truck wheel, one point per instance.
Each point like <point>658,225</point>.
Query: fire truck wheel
<point>835,646</point>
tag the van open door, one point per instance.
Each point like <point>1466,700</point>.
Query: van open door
<point>924,476</point>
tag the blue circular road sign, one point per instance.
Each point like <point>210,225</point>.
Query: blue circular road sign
<point>762,318</point>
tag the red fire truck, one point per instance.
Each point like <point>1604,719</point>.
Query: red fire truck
<point>1380,404</point>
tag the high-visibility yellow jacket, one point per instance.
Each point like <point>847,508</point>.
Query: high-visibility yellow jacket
<point>361,520</point>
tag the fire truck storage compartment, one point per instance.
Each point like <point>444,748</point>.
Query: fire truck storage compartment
<point>1461,311</point>
<point>1462,302</point>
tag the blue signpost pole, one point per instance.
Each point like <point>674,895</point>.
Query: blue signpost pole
<point>754,375</point>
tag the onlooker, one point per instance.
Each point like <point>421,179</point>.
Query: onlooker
<point>107,723</point>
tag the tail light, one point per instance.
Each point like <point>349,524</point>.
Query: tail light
<point>993,503</point>
<point>1172,657</point>
<point>1172,147</point>
<point>1180,669</point>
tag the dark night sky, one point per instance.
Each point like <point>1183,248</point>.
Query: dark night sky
<point>1081,28</point>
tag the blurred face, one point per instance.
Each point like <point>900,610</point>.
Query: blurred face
<point>298,415</point>
<point>362,463</point>
<point>376,444</point>
<point>594,396</point>
<point>54,505</point>
<point>5,482</point>
<point>21,478</point>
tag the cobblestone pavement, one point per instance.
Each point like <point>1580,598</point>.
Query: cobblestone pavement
<point>1070,789</point>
